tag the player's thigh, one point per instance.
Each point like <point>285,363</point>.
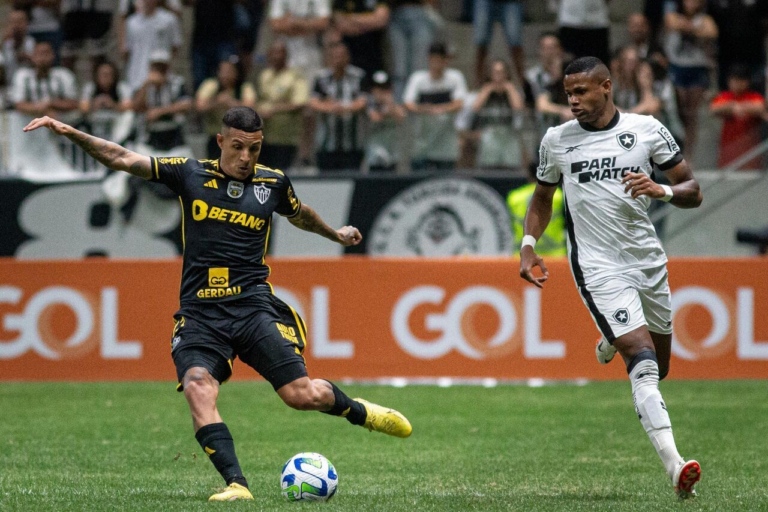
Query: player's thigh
<point>615,305</point>
<point>656,299</point>
<point>198,341</point>
<point>272,341</point>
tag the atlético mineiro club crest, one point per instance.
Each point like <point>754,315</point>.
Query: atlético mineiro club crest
<point>627,140</point>
<point>235,189</point>
<point>261,192</point>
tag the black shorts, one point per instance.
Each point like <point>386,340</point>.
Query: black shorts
<point>262,331</point>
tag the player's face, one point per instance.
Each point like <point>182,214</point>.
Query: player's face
<point>587,96</point>
<point>239,151</point>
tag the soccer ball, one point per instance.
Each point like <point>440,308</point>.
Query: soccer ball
<point>309,477</point>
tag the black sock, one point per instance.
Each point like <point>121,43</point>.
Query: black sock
<point>346,407</point>
<point>217,443</point>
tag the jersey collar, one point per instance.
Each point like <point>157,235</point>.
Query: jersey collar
<point>611,124</point>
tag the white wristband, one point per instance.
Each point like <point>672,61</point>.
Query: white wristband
<point>667,193</point>
<point>528,240</point>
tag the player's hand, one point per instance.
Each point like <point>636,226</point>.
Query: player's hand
<point>55,126</point>
<point>639,184</point>
<point>349,235</point>
<point>528,260</point>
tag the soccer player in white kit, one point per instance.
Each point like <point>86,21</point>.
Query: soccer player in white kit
<point>605,160</point>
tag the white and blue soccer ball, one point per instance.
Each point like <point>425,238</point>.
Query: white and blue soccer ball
<point>309,477</point>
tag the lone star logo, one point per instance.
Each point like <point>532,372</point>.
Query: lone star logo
<point>627,140</point>
<point>621,316</point>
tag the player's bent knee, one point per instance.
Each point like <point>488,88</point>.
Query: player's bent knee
<point>199,385</point>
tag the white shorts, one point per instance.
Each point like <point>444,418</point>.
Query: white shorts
<point>622,303</point>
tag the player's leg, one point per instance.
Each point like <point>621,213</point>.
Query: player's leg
<point>201,368</point>
<point>305,394</point>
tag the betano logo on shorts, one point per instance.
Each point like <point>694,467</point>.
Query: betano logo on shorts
<point>41,330</point>
<point>201,211</point>
<point>218,280</point>
<point>600,169</point>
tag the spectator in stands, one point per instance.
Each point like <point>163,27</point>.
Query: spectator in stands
<point>339,98</point>
<point>84,28</point>
<point>249,15</point>
<point>552,106</point>
<point>385,117</point>
<point>499,109</point>
<point>552,241</point>
<point>362,24</point>
<point>509,14</point>
<point>164,101</point>
<point>150,30</point>
<point>639,31</point>
<point>44,90</point>
<point>584,28</point>
<point>44,23</point>
<point>18,45</point>
<point>742,111</point>
<point>434,96</point>
<point>669,113</point>
<point>633,83</point>
<point>550,65</point>
<point>411,31</point>
<point>216,95</point>
<point>741,38</point>
<point>106,91</point>
<point>213,36</point>
<point>128,7</point>
<point>283,93</point>
<point>301,23</point>
<point>691,34</point>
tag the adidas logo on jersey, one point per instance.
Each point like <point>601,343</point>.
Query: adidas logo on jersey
<point>599,169</point>
<point>211,184</point>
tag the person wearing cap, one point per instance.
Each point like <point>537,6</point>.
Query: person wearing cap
<point>741,110</point>
<point>152,28</point>
<point>434,96</point>
<point>385,117</point>
<point>163,99</point>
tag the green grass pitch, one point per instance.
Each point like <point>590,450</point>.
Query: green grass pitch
<point>129,446</point>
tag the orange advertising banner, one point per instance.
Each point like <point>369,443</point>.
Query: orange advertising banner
<point>377,318</point>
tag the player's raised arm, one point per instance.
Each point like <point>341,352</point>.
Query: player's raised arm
<point>113,156</point>
<point>536,221</point>
<point>308,220</point>
<point>684,192</point>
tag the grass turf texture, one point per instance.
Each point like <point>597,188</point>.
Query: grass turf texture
<point>130,446</point>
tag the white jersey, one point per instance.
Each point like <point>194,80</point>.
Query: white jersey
<point>608,231</point>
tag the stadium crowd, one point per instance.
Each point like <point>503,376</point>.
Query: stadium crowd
<point>357,84</point>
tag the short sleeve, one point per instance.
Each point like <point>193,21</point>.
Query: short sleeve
<point>664,151</point>
<point>69,84</point>
<point>207,89</point>
<point>300,90</point>
<point>411,89</point>
<point>460,90</point>
<point>88,91</point>
<point>277,9</point>
<point>170,171</point>
<point>18,90</point>
<point>323,9</point>
<point>288,205</point>
<point>548,172</point>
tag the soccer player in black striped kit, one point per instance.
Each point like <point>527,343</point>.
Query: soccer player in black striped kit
<point>228,309</point>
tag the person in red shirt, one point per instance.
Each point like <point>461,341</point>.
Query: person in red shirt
<point>742,111</point>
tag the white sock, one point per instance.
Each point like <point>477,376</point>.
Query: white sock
<point>652,411</point>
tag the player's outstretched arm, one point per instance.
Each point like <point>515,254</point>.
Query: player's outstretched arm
<point>308,220</point>
<point>113,156</point>
<point>536,221</point>
<point>686,192</point>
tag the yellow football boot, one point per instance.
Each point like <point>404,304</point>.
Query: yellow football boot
<point>231,493</point>
<point>385,420</point>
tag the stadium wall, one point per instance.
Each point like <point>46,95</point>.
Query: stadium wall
<point>371,318</point>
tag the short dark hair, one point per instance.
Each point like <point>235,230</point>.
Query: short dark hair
<point>243,118</point>
<point>549,33</point>
<point>584,65</point>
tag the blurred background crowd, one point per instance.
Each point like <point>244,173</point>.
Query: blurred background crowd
<point>381,86</point>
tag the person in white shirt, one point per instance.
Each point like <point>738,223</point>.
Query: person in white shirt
<point>44,89</point>
<point>301,22</point>
<point>433,96</point>
<point>17,43</point>
<point>604,160</point>
<point>150,30</point>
